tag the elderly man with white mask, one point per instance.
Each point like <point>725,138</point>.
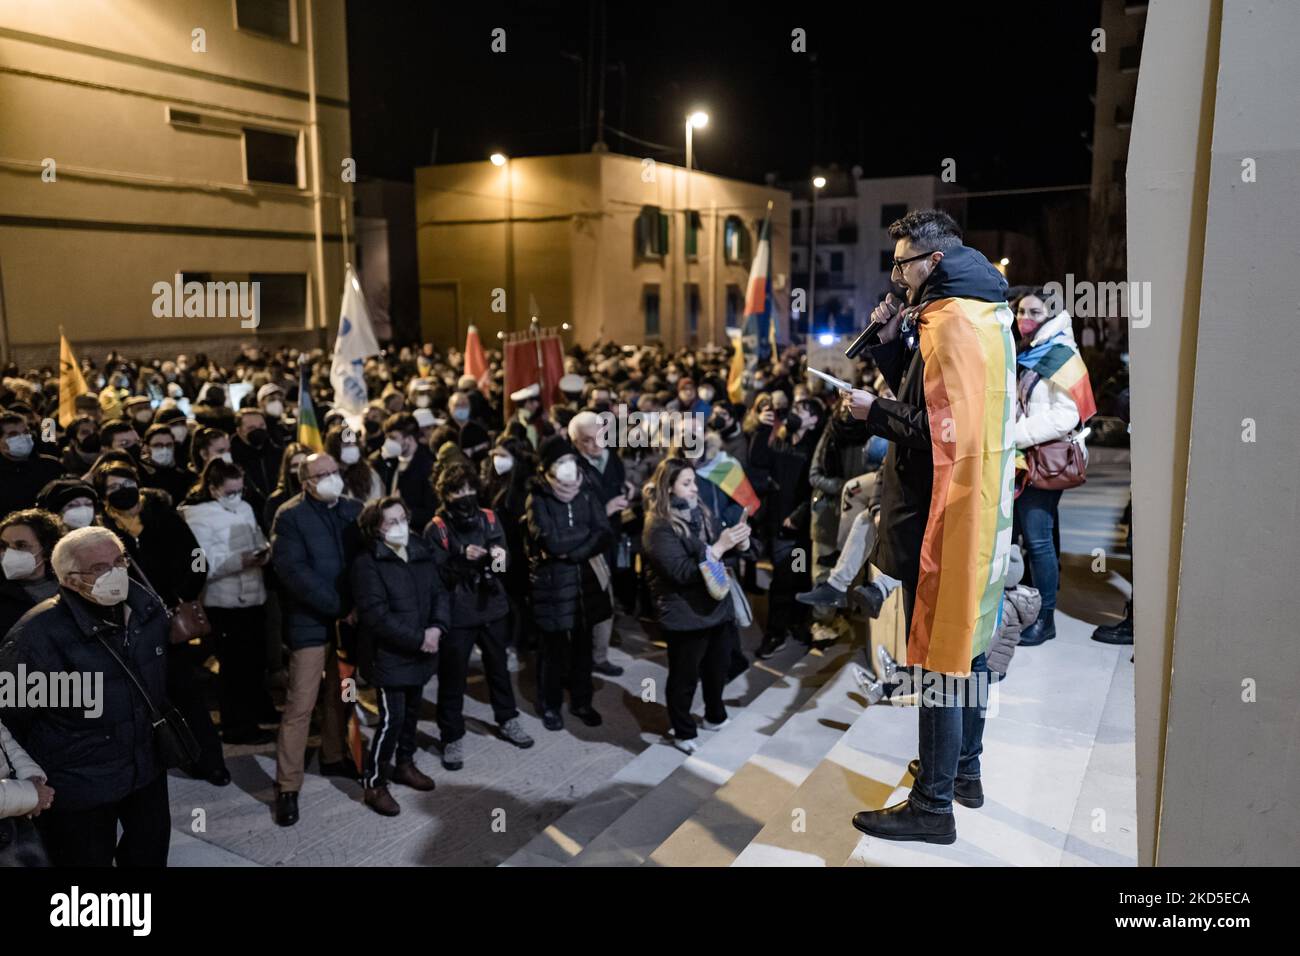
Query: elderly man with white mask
<point>100,755</point>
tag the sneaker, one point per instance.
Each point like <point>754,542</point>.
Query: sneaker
<point>874,689</point>
<point>453,754</point>
<point>381,801</point>
<point>823,595</point>
<point>553,720</point>
<point>686,746</point>
<point>770,646</point>
<point>868,598</point>
<point>710,725</point>
<point>888,666</point>
<point>606,668</point>
<point>512,731</point>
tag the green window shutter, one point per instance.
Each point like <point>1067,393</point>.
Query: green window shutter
<point>691,234</point>
<point>663,235</point>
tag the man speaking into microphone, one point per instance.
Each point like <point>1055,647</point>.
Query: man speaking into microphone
<point>946,496</point>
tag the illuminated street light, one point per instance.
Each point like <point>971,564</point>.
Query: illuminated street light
<point>699,119</point>
<point>819,182</point>
<point>498,159</point>
<point>1004,262</point>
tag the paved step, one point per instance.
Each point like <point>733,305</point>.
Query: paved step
<point>725,823</point>
<point>566,837</point>
<point>659,811</point>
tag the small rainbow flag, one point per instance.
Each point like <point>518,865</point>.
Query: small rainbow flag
<point>969,384</point>
<point>729,475</point>
<point>308,428</point>
<point>1060,362</point>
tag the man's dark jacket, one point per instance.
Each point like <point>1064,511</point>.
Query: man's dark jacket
<point>413,485</point>
<point>312,546</point>
<point>91,761</point>
<point>907,476</point>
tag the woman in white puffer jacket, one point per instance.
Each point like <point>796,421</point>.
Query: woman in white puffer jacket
<point>235,551</point>
<point>24,793</point>
<point>1049,413</point>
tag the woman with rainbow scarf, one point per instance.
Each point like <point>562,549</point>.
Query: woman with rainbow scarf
<point>1055,398</point>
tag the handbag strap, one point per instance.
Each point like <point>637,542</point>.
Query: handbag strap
<point>154,715</point>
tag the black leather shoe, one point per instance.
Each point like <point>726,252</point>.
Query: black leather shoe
<point>219,777</point>
<point>255,737</point>
<point>286,808</point>
<point>905,823</point>
<point>969,793</point>
<point>1121,633</point>
<point>608,669</point>
<point>343,768</point>
<point>587,715</point>
<point>553,720</point>
<point>1041,631</point>
<point>868,599</point>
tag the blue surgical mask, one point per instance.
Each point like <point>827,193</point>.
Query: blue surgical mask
<point>460,414</point>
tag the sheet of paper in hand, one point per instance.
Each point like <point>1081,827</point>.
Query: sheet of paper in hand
<point>837,382</point>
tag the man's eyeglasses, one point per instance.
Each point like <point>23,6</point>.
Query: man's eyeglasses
<point>94,571</point>
<point>899,263</point>
<point>323,474</point>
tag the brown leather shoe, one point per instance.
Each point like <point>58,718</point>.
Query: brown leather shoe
<point>408,775</point>
<point>381,801</point>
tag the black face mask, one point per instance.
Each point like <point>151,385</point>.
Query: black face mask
<point>89,444</point>
<point>463,510</point>
<point>257,437</point>
<point>722,425</point>
<point>124,498</point>
<point>793,422</point>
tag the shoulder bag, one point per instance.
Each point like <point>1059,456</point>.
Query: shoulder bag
<point>173,740</point>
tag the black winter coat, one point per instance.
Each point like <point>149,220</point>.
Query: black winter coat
<point>98,760</point>
<point>562,539</point>
<point>165,551</point>
<point>396,600</point>
<point>312,546</point>
<point>681,598</point>
<point>413,485</point>
<point>478,595</point>
<point>21,481</point>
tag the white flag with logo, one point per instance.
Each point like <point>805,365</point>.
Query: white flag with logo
<point>355,343</point>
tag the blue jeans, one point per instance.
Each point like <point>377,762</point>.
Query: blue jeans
<point>951,730</point>
<point>1037,520</point>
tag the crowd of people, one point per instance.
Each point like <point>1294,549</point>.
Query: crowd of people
<point>176,535</point>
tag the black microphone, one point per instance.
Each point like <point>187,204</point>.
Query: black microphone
<point>859,345</point>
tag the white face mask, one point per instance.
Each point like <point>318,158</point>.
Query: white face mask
<point>502,463</point>
<point>423,401</point>
<point>706,393</point>
<point>392,448</point>
<point>179,432</point>
<point>350,455</point>
<point>231,502</point>
<point>329,489</point>
<point>227,457</point>
<point>18,564</point>
<point>162,457</point>
<point>274,409</point>
<point>79,517</point>
<point>566,471</point>
<point>398,534</point>
<point>111,587</point>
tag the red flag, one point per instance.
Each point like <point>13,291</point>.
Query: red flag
<point>534,358</point>
<point>475,361</point>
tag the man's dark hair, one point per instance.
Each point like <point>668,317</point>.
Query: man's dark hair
<point>403,423</point>
<point>931,229</point>
<point>111,430</point>
<point>12,418</point>
<point>44,525</point>
<point>454,477</point>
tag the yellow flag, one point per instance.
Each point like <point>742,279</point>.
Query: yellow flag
<point>735,381</point>
<point>71,382</point>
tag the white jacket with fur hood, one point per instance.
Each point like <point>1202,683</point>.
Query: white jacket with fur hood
<point>17,770</point>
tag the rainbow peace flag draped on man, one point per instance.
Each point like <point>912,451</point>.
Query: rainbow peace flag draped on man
<point>1058,360</point>
<point>970,387</point>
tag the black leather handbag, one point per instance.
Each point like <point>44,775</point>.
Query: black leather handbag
<point>173,740</point>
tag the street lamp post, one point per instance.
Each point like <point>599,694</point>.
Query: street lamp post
<point>819,183</point>
<point>503,161</point>
<point>696,120</point>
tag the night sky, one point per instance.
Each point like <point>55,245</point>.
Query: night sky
<point>894,87</point>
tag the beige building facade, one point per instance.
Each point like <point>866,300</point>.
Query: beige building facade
<point>140,140</point>
<point>620,248</point>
